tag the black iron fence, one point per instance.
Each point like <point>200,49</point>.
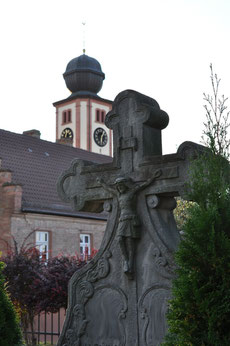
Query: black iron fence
<point>47,327</point>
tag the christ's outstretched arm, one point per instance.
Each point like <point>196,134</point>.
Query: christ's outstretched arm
<point>107,187</point>
<point>157,174</point>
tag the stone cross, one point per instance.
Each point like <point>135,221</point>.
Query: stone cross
<point>120,297</point>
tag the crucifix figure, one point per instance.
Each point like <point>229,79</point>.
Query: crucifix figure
<point>128,230</point>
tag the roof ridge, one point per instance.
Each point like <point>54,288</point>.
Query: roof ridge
<point>78,150</point>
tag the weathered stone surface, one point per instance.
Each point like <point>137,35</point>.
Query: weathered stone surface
<point>120,297</point>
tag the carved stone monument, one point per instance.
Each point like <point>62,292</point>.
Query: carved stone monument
<point>120,297</point>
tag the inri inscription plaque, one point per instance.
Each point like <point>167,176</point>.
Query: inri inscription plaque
<point>120,297</point>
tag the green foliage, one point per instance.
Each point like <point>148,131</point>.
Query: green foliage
<point>10,333</point>
<point>199,312</point>
<point>181,212</point>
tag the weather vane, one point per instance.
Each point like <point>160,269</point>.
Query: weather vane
<point>83,24</point>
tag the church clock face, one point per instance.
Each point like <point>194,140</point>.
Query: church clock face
<point>67,133</point>
<point>100,137</point>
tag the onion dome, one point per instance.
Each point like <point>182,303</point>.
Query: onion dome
<point>84,74</point>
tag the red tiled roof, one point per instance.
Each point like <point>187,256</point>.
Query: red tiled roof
<point>36,165</point>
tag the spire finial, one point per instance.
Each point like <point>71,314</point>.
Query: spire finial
<point>83,40</point>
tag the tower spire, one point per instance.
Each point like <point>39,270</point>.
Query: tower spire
<point>83,36</point>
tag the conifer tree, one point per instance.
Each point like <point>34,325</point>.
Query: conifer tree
<point>199,312</point>
<point>10,333</point>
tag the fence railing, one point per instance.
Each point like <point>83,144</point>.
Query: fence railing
<point>48,326</point>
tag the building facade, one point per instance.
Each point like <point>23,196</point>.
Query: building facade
<point>29,169</point>
<point>29,204</point>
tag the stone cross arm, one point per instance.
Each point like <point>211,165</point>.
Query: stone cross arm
<point>80,184</point>
<point>136,121</point>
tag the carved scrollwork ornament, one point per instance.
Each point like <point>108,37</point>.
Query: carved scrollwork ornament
<point>79,311</point>
<point>108,254</point>
<point>85,290</point>
<point>100,272</point>
<point>102,269</point>
<point>70,336</point>
<point>162,265</point>
<point>159,259</point>
<point>122,314</point>
<point>92,276</point>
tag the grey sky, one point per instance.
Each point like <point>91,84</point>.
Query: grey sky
<point>160,48</point>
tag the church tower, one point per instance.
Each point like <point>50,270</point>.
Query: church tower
<point>80,118</point>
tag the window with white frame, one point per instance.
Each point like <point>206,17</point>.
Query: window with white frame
<point>85,249</point>
<point>42,244</point>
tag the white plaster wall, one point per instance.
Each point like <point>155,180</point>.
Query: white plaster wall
<point>83,125</point>
<point>95,148</point>
<point>65,231</point>
<point>71,125</point>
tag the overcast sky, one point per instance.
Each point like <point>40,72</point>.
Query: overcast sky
<point>162,48</point>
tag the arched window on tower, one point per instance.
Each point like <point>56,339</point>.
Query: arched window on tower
<point>66,116</point>
<point>100,116</point>
<point>69,116</point>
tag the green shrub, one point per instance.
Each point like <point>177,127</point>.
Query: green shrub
<point>199,312</point>
<point>10,333</point>
<point>200,309</point>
